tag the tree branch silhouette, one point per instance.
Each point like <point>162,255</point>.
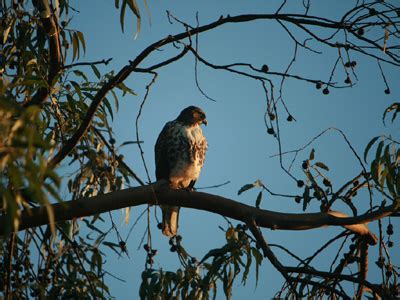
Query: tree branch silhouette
<point>69,210</point>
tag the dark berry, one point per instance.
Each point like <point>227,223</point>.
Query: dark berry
<point>300,183</point>
<point>271,116</point>
<point>387,91</point>
<point>325,91</point>
<point>304,165</point>
<point>372,11</point>
<point>112,141</point>
<point>390,244</point>
<point>353,64</point>
<point>347,80</point>
<point>355,182</point>
<point>347,64</point>
<point>146,247</point>
<point>63,23</point>
<point>352,247</point>
<point>289,118</point>
<point>122,245</point>
<point>159,225</point>
<point>380,262</point>
<point>389,229</point>
<point>360,31</point>
<point>178,238</point>
<point>173,248</point>
<point>265,69</point>
<point>318,85</point>
<point>270,130</point>
<point>153,252</point>
<point>297,199</point>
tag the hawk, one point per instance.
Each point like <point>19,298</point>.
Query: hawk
<point>179,155</point>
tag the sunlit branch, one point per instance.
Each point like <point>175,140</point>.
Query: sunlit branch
<point>197,200</point>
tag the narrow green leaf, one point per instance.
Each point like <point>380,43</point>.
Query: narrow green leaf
<point>106,103</point>
<point>312,154</point>
<point>397,179</point>
<point>80,74</point>
<point>259,198</point>
<point>96,71</point>
<point>116,102</point>
<point>379,150</point>
<point>322,165</point>
<point>128,143</point>
<point>6,32</point>
<point>374,171</point>
<point>75,46</point>
<point>82,40</point>
<point>134,7</point>
<point>77,88</point>
<point>122,14</point>
<point>306,197</point>
<point>371,142</point>
<point>258,257</point>
<point>245,188</point>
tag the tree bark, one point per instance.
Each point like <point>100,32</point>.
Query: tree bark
<point>160,194</point>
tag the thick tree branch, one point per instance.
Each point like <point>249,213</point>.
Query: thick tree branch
<point>216,204</point>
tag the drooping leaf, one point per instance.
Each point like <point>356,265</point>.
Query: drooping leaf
<point>75,46</point>
<point>82,40</point>
<point>258,257</point>
<point>379,150</point>
<point>96,71</point>
<point>371,142</point>
<point>322,165</point>
<point>246,187</point>
<point>312,154</point>
<point>258,200</point>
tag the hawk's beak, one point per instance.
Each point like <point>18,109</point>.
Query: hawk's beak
<point>205,122</point>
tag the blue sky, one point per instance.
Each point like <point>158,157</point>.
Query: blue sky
<point>240,149</point>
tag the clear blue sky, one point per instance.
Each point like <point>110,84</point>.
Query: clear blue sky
<point>239,148</point>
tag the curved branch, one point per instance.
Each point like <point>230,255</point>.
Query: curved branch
<point>197,200</point>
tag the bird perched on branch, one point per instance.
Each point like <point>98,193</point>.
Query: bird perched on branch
<point>179,153</point>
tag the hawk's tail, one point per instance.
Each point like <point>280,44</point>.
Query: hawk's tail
<point>170,218</point>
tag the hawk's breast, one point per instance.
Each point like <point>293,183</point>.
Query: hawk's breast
<point>191,147</point>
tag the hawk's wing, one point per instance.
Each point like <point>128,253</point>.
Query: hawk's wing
<point>162,157</point>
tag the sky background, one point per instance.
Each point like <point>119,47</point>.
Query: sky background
<point>240,149</point>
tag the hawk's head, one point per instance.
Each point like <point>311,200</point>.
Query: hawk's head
<point>192,115</point>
